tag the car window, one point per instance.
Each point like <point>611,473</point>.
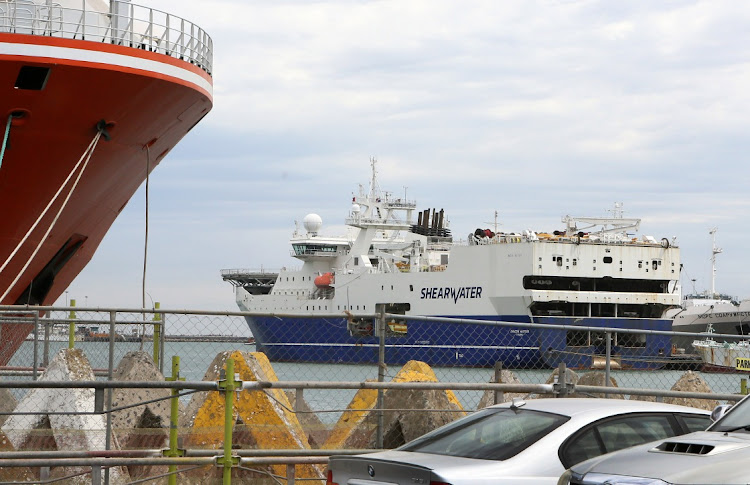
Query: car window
<point>695,422</point>
<point>582,447</point>
<point>491,434</point>
<point>631,431</point>
<point>615,434</point>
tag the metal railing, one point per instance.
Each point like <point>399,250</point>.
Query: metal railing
<point>124,24</point>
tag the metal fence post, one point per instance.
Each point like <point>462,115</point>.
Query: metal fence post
<point>562,380</point>
<point>36,344</point>
<point>110,372</point>
<point>173,450</point>
<point>229,385</point>
<point>290,474</point>
<point>72,326</point>
<point>96,471</point>
<point>381,375</point>
<point>45,351</point>
<point>499,379</point>
<point>157,335</point>
<point>163,319</point>
<point>607,361</point>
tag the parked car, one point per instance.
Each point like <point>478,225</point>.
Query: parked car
<point>718,455</point>
<point>521,442</point>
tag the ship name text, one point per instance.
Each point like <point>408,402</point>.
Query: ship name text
<point>724,315</point>
<point>437,293</point>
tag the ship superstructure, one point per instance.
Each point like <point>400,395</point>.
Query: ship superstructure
<point>93,95</point>
<point>591,273</point>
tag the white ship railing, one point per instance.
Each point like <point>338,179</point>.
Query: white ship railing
<point>124,24</point>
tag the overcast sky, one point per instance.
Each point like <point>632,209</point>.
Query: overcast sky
<point>533,108</point>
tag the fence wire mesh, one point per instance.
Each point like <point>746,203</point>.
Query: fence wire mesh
<point>348,348</point>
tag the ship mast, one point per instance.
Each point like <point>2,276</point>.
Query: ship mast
<point>714,251</point>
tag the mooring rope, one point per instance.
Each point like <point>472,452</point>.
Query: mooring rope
<point>5,138</point>
<point>87,156</point>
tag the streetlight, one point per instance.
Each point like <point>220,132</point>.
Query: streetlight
<point>86,301</point>
<point>66,297</point>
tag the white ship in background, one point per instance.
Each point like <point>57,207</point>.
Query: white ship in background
<point>592,273</point>
<point>722,312</point>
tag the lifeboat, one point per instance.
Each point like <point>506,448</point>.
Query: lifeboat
<point>325,280</point>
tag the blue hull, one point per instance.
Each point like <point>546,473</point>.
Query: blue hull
<point>327,340</point>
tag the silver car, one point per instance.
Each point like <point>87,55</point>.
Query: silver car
<point>521,442</point>
<point>718,455</point>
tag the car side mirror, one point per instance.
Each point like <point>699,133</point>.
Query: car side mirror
<point>719,412</point>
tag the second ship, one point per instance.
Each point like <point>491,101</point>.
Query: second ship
<point>593,273</point>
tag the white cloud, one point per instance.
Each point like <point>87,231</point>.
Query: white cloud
<point>535,108</point>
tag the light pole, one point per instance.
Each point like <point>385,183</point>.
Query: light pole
<point>66,297</point>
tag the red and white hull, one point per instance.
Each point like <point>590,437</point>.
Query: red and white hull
<point>148,100</point>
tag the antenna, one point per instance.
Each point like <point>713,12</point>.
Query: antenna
<point>714,251</point>
<point>496,223</point>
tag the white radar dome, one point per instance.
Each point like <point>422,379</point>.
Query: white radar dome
<point>313,223</point>
<point>355,208</point>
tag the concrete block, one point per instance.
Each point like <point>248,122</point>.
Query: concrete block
<point>692,382</point>
<point>7,404</point>
<point>146,426</point>
<point>69,432</point>
<point>357,427</point>
<point>506,377</point>
<point>20,474</point>
<point>263,419</point>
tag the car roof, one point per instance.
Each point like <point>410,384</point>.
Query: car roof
<point>576,406</point>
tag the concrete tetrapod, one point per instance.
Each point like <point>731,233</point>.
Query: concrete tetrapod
<point>67,432</point>
<point>263,419</point>
<point>402,421</point>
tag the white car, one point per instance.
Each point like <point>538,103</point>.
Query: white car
<point>521,442</point>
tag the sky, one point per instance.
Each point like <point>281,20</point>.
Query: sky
<point>535,109</point>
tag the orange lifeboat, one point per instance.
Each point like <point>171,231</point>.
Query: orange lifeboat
<point>325,280</point>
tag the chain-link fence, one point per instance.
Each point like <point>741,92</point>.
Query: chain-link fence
<point>308,356</point>
<point>350,348</point>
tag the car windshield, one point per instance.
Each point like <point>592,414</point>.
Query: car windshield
<point>736,419</point>
<point>490,434</point>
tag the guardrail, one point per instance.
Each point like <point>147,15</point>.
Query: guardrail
<point>124,24</point>
<point>229,459</point>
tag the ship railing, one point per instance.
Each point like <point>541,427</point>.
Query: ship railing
<point>124,24</point>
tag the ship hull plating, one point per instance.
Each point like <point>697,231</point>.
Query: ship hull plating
<point>328,340</point>
<point>147,102</point>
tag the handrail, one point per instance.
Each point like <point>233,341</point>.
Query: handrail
<point>125,24</point>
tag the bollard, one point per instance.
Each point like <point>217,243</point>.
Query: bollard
<point>157,334</point>
<point>173,451</point>
<point>229,385</point>
<point>72,327</point>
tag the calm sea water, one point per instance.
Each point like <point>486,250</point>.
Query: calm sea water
<point>195,358</point>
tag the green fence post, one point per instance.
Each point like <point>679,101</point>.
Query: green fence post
<point>173,450</point>
<point>157,333</point>
<point>743,386</point>
<point>72,327</point>
<point>229,385</point>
